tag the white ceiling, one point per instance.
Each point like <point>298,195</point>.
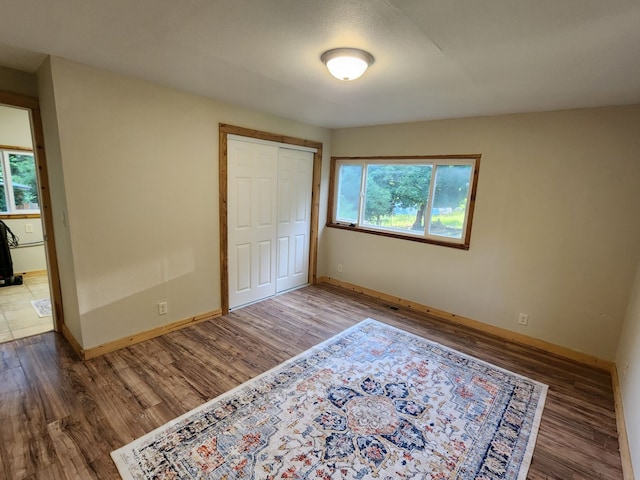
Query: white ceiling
<point>434,58</point>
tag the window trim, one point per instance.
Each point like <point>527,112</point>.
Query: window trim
<point>13,212</point>
<point>463,243</point>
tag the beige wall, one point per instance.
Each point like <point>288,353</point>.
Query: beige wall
<point>57,192</point>
<point>18,82</point>
<point>555,230</point>
<point>15,127</point>
<point>628,363</point>
<point>27,258</point>
<point>139,167</point>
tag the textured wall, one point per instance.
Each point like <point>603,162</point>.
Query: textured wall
<point>140,172</point>
<point>628,363</point>
<point>18,82</point>
<point>555,231</point>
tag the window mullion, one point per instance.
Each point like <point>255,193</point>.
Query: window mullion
<point>363,183</point>
<point>6,179</point>
<point>8,184</point>
<point>429,208</point>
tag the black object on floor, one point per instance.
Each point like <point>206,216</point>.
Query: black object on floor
<point>7,240</point>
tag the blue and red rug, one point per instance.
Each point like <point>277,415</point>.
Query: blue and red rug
<point>373,402</point>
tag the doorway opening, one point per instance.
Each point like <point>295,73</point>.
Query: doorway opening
<point>30,299</point>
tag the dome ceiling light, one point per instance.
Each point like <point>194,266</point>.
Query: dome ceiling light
<point>347,63</point>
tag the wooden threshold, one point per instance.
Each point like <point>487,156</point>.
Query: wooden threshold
<point>476,325</point>
<point>32,273</point>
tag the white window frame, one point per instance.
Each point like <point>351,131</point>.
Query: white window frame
<point>8,182</point>
<point>360,225</point>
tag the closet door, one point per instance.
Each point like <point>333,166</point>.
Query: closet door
<point>252,171</point>
<point>295,178</point>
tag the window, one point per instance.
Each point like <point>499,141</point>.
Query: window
<point>18,182</point>
<point>426,199</point>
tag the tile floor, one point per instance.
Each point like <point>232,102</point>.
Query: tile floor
<point>18,318</point>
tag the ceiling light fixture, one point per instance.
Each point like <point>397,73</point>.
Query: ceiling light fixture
<point>347,63</point>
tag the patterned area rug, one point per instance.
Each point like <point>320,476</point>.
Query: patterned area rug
<point>371,402</point>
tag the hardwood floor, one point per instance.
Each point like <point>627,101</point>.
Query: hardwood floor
<point>60,418</point>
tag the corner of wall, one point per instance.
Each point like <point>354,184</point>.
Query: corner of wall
<point>48,109</point>
<point>19,82</point>
<point>623,437</point>
<point>626,384</point>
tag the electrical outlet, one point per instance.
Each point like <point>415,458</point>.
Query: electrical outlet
<point>28,227</point>
<point>339,268</point>
<point>625,370</point>
<point>523,319</point>
<point>162,308</point>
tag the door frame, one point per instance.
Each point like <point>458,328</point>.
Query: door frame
<point>33,106</point>
<point>224,131</point>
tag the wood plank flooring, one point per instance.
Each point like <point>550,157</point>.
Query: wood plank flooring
<point>60,418</point>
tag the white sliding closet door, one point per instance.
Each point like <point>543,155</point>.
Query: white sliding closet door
<point>269,219</point>
<point>295,177</point>
<point>252,171</point>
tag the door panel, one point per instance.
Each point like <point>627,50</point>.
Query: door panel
<point>284,199</point>
<point>283,257</point>
<point>295,175</point>
<point>252,226</point>
<point>300,255</point>
<point>266,191</point>
<point>243,267</point>
<point>265,264</point>
<point>243,211</point>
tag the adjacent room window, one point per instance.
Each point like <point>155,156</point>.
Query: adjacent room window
<point>18,182</point>
<point>428,199</point>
